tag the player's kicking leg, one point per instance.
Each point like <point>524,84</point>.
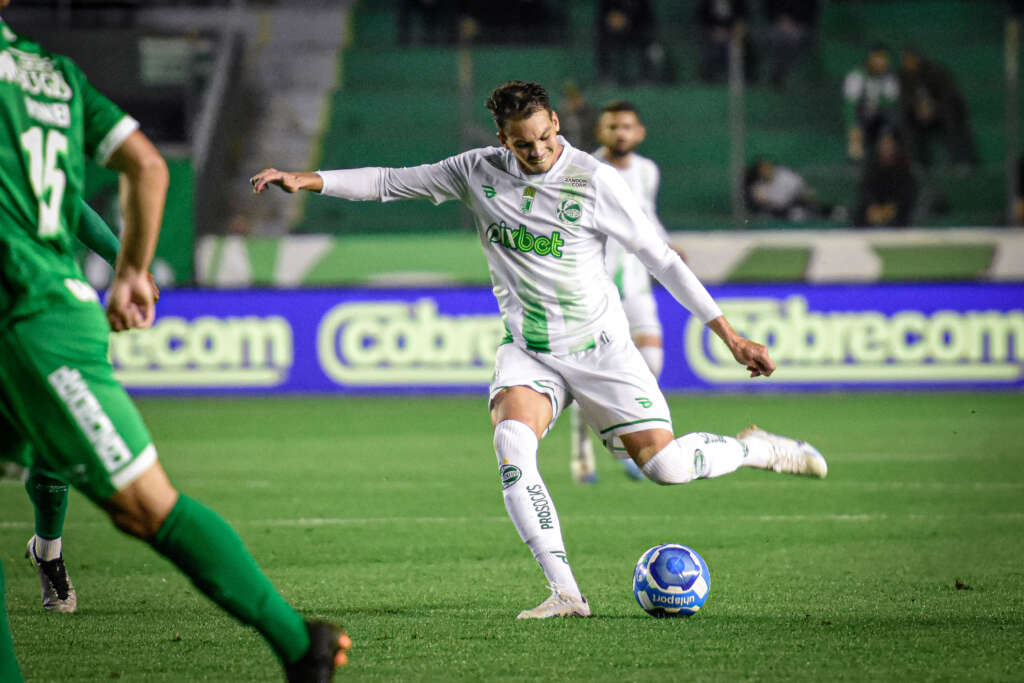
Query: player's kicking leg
<point>49,498</point>
<point>584,469</point>
<point>769,451</point>
<point>700,455</point>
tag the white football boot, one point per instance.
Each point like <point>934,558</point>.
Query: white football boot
<point>58,591</point>
<point>788,455</point>
<point>558,604</point>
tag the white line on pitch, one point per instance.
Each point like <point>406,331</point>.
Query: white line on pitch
<point>369,521</point>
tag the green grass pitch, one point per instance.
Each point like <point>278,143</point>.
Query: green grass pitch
<point>386,514</point>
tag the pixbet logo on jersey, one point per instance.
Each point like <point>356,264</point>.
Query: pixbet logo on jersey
<point>524,240</point>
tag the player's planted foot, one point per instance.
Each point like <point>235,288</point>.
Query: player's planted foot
<point>558,604</point>
<point>58,592</point>
<point>328,648</point>
<point>783,454</point>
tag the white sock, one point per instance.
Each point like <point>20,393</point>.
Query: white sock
<point>529,504</point>
<point>47,549</point>
<point>758,453</point>
<point>697,455</point>
<point>655,357</point>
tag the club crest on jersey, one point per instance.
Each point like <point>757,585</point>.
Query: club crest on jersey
<point>489,191</point>
<point>522,239</point>
<point>571,197</point>
<point>529,194</point>
<point>569,210</point>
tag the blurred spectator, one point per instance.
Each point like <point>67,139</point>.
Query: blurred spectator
<point>933,107</point>
<point>426,21</point>
<point>518,21</point>
<point>577,118</point>
<point>780,192</point>
<point>791,33</point>
<point>720,22</point>
<point>888,190</point>
<point>628,51</point>
<point>871,96</point>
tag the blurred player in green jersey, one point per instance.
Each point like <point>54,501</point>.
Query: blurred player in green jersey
<point>57,389</point>
<point>48,494</point>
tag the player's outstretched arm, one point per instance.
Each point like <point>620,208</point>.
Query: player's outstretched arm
<point>289,181</point>
<point>144,181</point>
<point>750,354</point>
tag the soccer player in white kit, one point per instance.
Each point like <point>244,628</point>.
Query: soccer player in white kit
<point>543,211</point>
<point>619,130</point>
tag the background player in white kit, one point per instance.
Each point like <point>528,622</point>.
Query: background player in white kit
<point>543,211</point>
<point>620,131</point>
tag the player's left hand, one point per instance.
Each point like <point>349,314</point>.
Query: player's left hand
<point>130,302</point>
<point>754,356</point>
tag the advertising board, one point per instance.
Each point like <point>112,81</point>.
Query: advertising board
<point>442,340</point>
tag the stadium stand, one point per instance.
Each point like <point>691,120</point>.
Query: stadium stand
<point>400,106</point>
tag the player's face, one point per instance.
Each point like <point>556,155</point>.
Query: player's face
<point>4,3</point>
<point>620,132</point>
<point>533,141</point>
<point>878,62</point>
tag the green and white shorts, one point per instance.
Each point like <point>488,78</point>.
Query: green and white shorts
<point>60,407</point>
<point>611,382</point>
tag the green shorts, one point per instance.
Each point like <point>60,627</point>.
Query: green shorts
<point>60,407</point>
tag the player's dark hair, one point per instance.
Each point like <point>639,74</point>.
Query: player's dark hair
<point>517,100</point>
<point>620,105</point>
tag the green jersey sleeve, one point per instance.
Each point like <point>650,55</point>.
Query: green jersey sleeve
<point>106,125</point>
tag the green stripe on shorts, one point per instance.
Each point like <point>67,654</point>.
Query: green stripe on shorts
<point>634,422</point>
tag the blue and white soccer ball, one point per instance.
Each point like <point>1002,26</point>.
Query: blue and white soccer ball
<point>671,580</point>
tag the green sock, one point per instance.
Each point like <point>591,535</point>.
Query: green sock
<point>202,545</point>
<point>9,671</point>
<point>49,497</point>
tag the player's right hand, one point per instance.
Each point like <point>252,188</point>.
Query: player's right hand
<point>753,356</point>
<point>289,182</point>
<point>130,302</point>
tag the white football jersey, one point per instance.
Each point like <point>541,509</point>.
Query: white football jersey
<point>643,177</point>
<point>544,237</point>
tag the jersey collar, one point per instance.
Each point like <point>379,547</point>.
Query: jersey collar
<point>512,166</point>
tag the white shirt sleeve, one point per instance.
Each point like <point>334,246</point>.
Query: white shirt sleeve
<point>618,213</point>
<point>438,182</point>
